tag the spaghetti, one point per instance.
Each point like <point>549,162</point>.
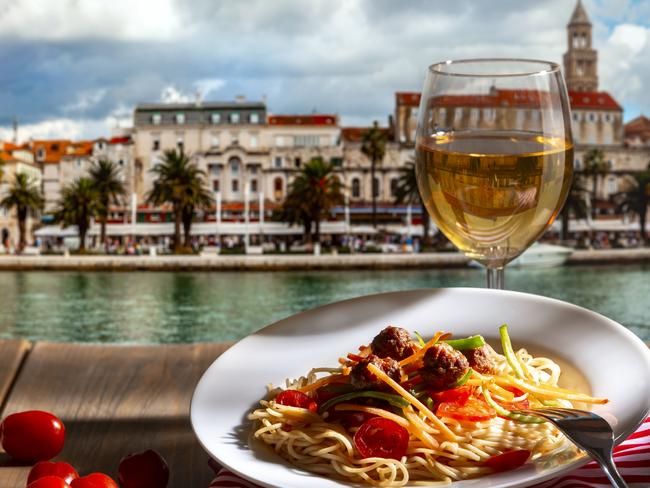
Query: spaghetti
<point>421,413</point>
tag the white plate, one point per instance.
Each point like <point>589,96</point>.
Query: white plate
<point>615,362</point>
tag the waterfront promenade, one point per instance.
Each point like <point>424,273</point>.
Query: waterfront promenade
<point>273,262</point>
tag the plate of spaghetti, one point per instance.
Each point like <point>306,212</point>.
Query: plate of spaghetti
<point>418,388</point>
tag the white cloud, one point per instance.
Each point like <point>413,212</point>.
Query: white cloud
<point>171,94</point>
<point>74,19</point>
<point>85,100</point>
<point>207,85</point>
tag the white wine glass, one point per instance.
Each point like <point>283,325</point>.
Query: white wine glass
<point>494,155</point>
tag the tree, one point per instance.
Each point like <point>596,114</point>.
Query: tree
<point>407,192</point>
<point>575,203</point>
<point>177,180</point>
<point>105,176</point>
<point>79,202</point>
<point>373,146</point>
<point>595,167</point>
<point>26,197</point>
<point>311,195</point>
<point>197,196</point>
<point>637,199</point>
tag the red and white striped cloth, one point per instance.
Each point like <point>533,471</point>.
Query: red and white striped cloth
<point>632,459</point>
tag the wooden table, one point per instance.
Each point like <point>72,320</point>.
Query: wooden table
<point>113,399</point>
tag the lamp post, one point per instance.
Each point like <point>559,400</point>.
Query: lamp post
<point>246,215</point>
<point>217,230</point>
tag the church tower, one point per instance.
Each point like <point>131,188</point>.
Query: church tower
<point>580,61</point>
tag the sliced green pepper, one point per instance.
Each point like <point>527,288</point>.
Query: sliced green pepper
<point>471,342</point>
<point>395,400</point>
<point>420,339</point>
<point>509,353</point>
<point>462,380</point>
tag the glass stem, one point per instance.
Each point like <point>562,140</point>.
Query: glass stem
<point>496,278</point>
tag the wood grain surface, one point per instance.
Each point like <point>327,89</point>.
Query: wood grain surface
<point>12,354</point>
<point>115,400</point>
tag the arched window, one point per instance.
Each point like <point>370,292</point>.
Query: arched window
<point>234,164</point>
<point>278,188</point>
<point>356,188</point>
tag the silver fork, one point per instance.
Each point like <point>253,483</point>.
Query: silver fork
<point>588,431</point>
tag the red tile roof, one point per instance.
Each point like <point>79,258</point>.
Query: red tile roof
<point>55,149</point>
<point>81,148</point>
<point>120,140</point>
<point>355,134</point>
<point>514,98</point>
<point>639,127</point>
<point>315,119</point>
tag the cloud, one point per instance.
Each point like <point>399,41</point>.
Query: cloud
<point>86,100</point>
<point>208,85</point>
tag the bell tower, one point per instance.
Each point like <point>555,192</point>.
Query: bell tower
<point>580,61</point>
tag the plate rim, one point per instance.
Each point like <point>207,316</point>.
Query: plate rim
<point>640,346</point>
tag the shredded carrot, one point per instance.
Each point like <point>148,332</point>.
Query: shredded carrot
<point>413,401</point>
<point>374,411</point>
<point>333,378</point>
<point>549,391</point>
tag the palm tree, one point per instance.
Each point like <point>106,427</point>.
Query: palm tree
<point>596,167</point>
<point>637,199</point>
<point>105,176</point>
<point>311,195</point>
<point>25,195</point>
<point>197,196</point>
<point>407,192</point>
<point>373,145</point>
<point>79,202</point>
<point>177,180</point>
<point>575,203</point>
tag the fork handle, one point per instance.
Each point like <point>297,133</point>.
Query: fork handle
<point>607,464</point>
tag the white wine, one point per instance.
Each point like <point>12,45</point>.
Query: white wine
<point>493,193</point>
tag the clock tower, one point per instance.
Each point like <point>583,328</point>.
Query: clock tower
<point>581,60</point>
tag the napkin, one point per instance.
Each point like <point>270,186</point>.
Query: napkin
<point>632,458</point>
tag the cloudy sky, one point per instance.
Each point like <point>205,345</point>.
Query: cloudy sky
<point>76,68</point>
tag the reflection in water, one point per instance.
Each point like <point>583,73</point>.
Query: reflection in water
<point>172,307</point>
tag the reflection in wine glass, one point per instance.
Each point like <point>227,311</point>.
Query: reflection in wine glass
<point>494,155</point>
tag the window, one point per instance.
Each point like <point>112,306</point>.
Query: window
<point>458,114</point>
<point>234,118</point>
<point>180,143</point>
<point>155,146</point>
<point>121,162</point>
<point>278,188</point>
<point>215,119</point>
<point>309,140</point>
<point>41,153</point>
<point>592,117</point>
<point>356,188</point>
<point>156,119</point>
<point>474,113</point>
<point>576,116</point>
<point>375,187</point>
<point>215,170</point>
<point>393,187</point>
<point>254,118</point>
<point>608,117</point>
<point>78,162</point>
<point>277,162</point>
<point>336,162</point>
<point>612,185</point>
<point>215,185</point>
<point>577,164</point>
<point>214,140</point>
<point>180,118</point>
<point>235,186</point>
<point>253,140</point>
<point>234,166</point>
<point>279,141</point>
<point>253,169</point>
<point>610,164</point>
<point>297,162</point>
<point>254,186</point>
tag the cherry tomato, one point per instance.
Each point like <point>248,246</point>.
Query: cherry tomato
<point>508,460</point>
<point>458,395</point>
<point>145,469</point>
<point>294,398</point>
<point>47,468</point>
<point>49,482</point>
<point>32,436</point>
<point>94,480</point>
<point>382,438</point>
<point>473,410</point>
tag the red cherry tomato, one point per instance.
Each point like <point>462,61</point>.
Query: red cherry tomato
<point>145,469</point>
<point>94,480</point>
<point>46,468</point>
<point>32,436</point>
<point>458,395</point>
<point>294,398</point>
<point>508,460</point>
<point>473,410</point>
<point>381,437</point>
<point>49,482</point>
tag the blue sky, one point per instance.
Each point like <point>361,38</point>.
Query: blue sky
<point>76,68</point>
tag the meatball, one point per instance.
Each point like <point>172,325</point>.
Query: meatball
<point>362,379</point>
<point>443,366</point>
<point>393,342</point>
<point>479,359</point>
